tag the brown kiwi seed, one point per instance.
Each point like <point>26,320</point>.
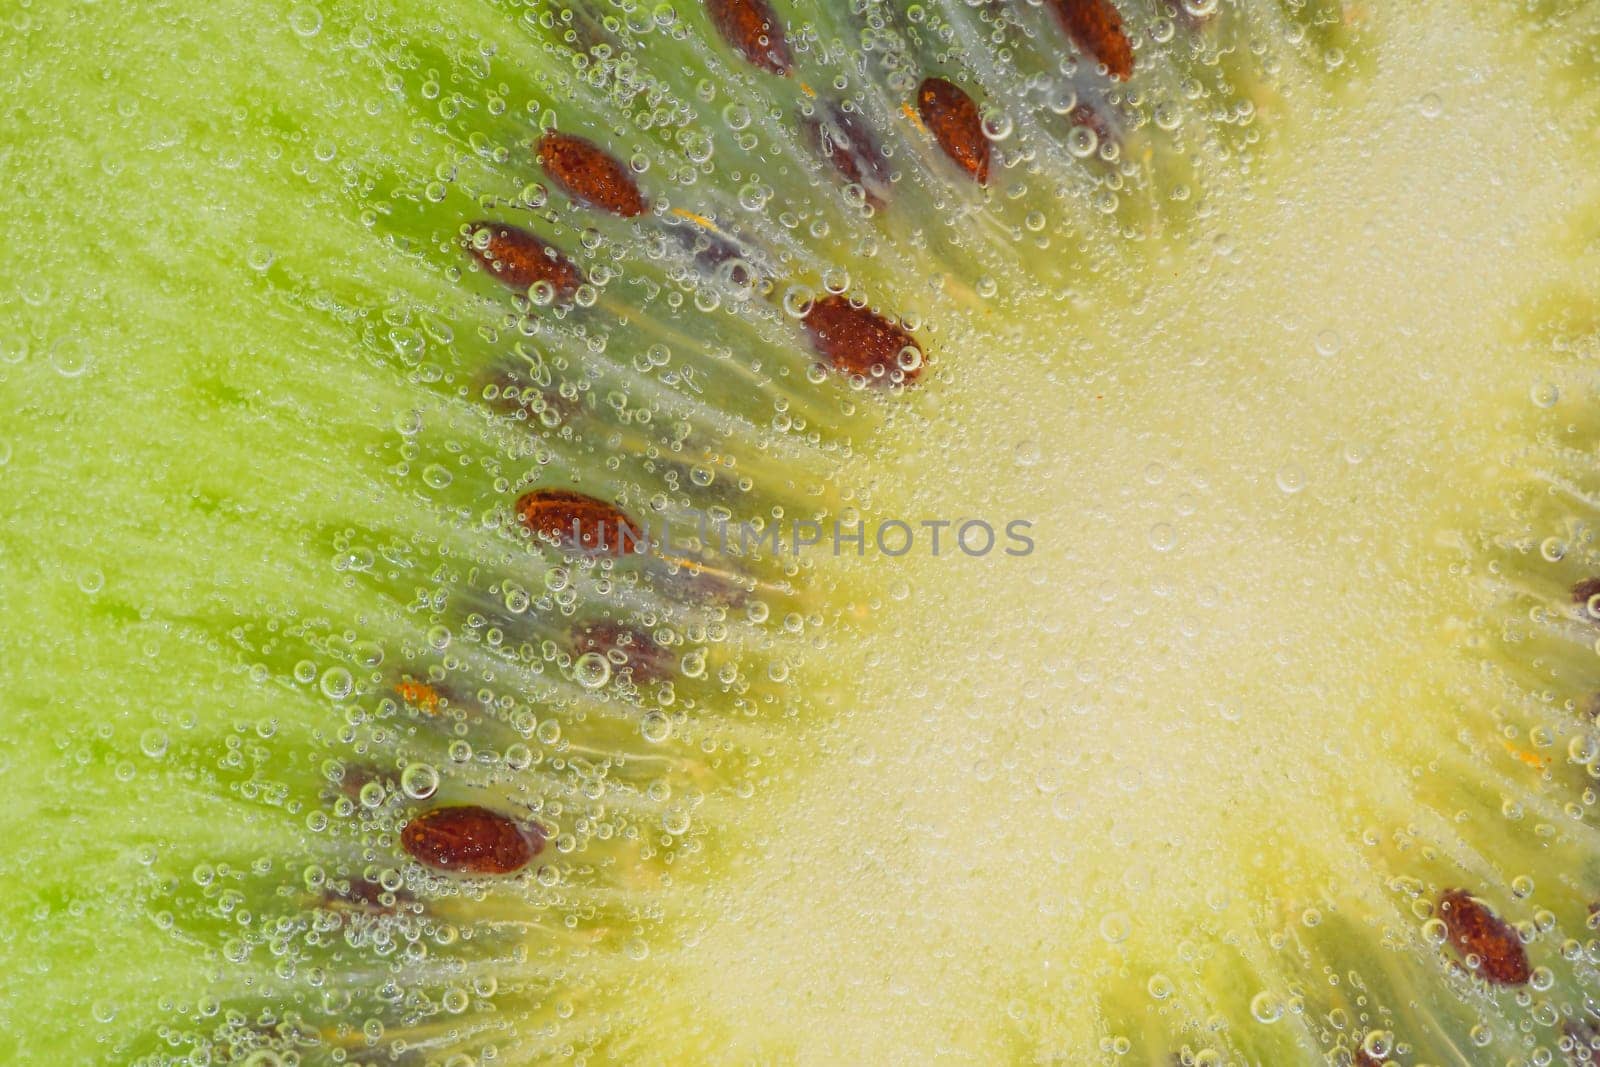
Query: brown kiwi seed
<point>471,840</point>
<point>521,260</point>
<point>589,175</point>
<point>952,117</point>
<point>577,521</point>
<point>1095,26</point>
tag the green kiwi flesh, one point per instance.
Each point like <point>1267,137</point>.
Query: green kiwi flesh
<point>356,356</point>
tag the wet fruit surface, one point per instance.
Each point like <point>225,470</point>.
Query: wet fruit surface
<point>354,715</point>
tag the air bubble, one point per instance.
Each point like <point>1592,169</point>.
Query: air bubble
<point>591,670</point>
<point>1162,537</point>
<point>305,21</point>
<point>153,743</point>
<point>1082,142</point>
<point>70,359</point>
<point>1430,105</point>
<point>1291,479</point>
<point>693,664</point>
<point>1328,343</point>
<point>655,727</point>
<point>997,125</point>
<point>419,781</point>
<point>1026,453</point>
<point>1545,394</point>
<point>337,683</point>
<point>1266,1008</point>
<point>798,301</point>
<point>1063,100</point>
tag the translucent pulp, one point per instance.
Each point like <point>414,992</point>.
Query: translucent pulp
<point>1254,467</point>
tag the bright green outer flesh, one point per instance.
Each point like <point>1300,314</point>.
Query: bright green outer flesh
<point>1212,736</point>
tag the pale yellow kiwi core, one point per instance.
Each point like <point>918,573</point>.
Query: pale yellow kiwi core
<point>1249,463</point>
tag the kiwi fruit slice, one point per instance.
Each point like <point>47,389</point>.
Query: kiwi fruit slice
<point>800,531</point>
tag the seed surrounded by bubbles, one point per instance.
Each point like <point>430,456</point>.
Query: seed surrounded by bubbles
<point>638,651</point>
<point>472,839</point>
<point>589,175</point>
<point>1584,593</point>
<point>751,27</point>
<point>858,340</point>
<point>1095,26</point>
<point>419,695</point>
<point>576,521</point>
<point>1476,931</point>
<point>846,143</point>
<point>522,261</point>
<point>952,117</point>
